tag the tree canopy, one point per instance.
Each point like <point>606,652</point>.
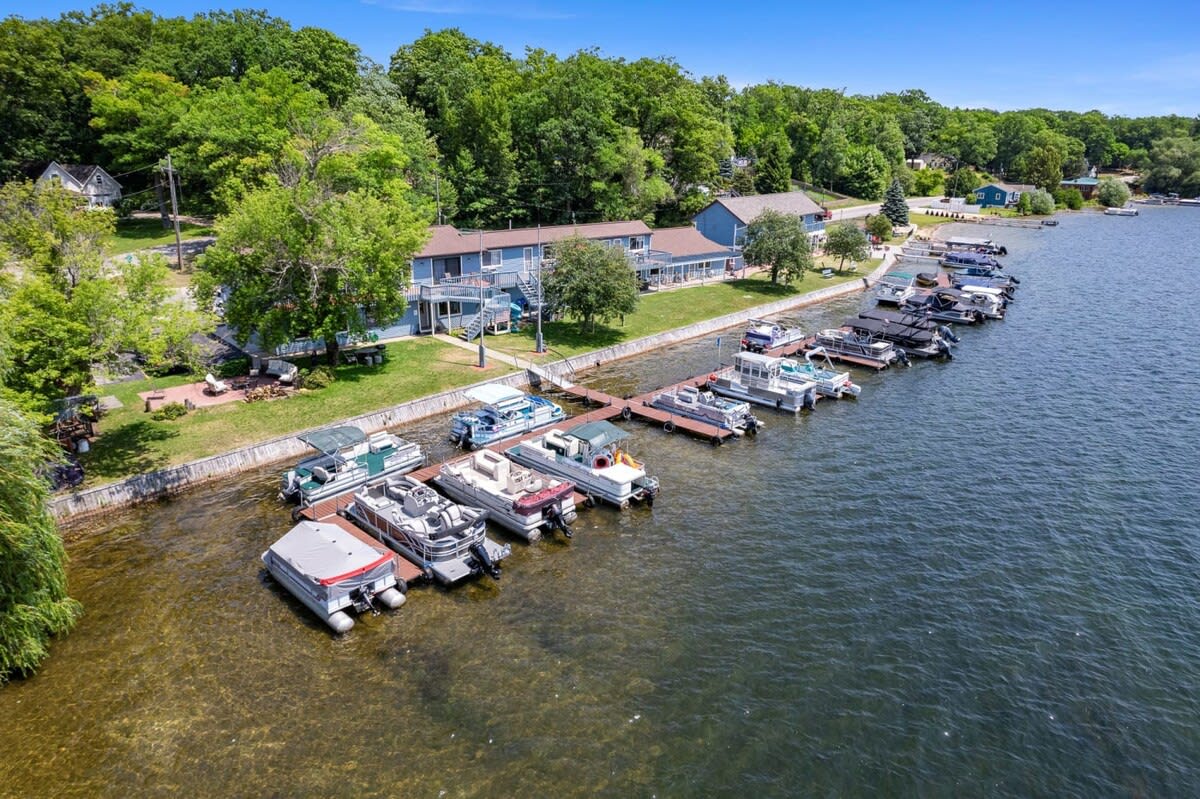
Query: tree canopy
<point>1112,193</point>
<point>780,242</point>
<point>846,241</point>
<point>591,282</point>
<point>323,248</point>
<point>34,605</point>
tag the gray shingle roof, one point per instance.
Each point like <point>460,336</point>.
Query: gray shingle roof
<point>747,209</point>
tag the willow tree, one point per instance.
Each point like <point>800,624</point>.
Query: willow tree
<point>34,605</point>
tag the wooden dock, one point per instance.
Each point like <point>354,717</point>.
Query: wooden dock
<point>639,407</point>
<point>853,360</point>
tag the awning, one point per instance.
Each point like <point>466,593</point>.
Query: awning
<point>334,439</point>
<point>493,393</point>
<point>597,434</point>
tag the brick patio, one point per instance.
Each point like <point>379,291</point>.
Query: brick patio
<point>199,396</point>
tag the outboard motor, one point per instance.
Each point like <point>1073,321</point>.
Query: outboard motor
<point>945,332</point>
<point>751,425</point>
<point>481,555</point>
<point>902,357</point>
<point>554,520</point>
<point>944,348</point>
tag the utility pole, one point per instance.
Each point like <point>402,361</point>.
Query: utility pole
<point>539,345</point>
<point>482,317</point>
<point>175,214</point>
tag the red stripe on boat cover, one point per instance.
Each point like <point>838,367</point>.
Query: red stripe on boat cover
<point>382,560</point>
<point>531,503</point>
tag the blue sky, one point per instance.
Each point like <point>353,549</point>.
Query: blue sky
<point>1121,58</point>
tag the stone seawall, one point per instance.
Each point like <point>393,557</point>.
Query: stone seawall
<point>165,482</point>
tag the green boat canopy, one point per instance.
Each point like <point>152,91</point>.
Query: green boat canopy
<point>597,434</point>
<point>334,439</point>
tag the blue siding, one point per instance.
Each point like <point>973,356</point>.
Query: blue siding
<point>717,223</point>
<point>991,195</point>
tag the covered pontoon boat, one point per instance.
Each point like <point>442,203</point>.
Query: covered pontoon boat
<point>506,412</point>
<point>347,459</point>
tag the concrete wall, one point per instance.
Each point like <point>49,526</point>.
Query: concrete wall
<point>172,480</point>
<point>140,488</point>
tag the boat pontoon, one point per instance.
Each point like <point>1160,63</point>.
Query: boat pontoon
<point>332,572</point>
<point>1125,211</point>
<point>757,378</point>
<point>842,344</point>
<point>347,459</point>
<point>518,499</point>
<point>960,260</point>
<point>830,382</point>
<point>893,288</point>
<point>941,307</point>
<point>970,244</point>
<point>588,456</point>
<point>924,339</point>
<point>705,406</point>
<point>506,412</point>
<point>762,335</point>
<point>447,540</point>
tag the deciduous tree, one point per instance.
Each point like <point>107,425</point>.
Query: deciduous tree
<point>34,606</point>
<point>780,242</point>
<point>879,226</point>
<point>846,241</point>
<point>591,282</point>
<point>1112,193</point>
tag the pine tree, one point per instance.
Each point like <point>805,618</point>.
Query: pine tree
<point>773,172</point>
<point>894,207</point>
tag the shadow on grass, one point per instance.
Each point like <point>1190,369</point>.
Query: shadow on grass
<point>567,334</point>
<point>764,287</point>
<point>135,229</point>
<point>127,450</point>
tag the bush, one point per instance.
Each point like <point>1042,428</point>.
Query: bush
<point>879,226</point>
<point>1024,204</point>
<point>1040,202</point>
<point>234,367</point>
<point>1112,193</point>
<point>928,182</point>
<point>317,377</point>
<point>170,411</point>
<point>1072,198</point>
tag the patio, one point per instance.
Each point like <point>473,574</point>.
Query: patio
<point>196,395</point>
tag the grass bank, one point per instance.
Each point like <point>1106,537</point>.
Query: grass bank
<point>130,442</point>
<point>138,234</point>
<point>667,310</point>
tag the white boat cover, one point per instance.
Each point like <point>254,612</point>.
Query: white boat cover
<point>491,393</point>
<point>329,559</point>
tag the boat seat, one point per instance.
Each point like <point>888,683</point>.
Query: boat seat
<point>321,474</point>
<point>379,442</point>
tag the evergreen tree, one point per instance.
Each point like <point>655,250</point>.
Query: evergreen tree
<point>33,584</point>
<point>894,207</point>
<point>773,172</point>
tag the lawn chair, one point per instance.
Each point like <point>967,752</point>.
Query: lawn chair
<point>214,385</point>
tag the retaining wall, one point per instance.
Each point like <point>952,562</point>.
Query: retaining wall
<point>172,480</point>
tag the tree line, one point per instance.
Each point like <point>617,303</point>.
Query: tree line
<point>494,139</point>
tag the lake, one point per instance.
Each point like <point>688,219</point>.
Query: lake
<point>980,578</point>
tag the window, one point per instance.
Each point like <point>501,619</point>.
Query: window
<point>493,258</point>
<point>636,243</point>
<point>99,180</point>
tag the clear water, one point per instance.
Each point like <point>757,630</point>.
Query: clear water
<point>978,579</point>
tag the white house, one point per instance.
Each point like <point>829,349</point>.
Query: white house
<point>99,187</point>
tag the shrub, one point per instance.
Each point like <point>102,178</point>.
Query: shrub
<point>928,182</point>
<point>234,367</point>
<point>1024,204</point>
<point>879,226</point>
<point>1073,199</point>
<point>1112,193</point>
<point>1040,202</point>
<point>317,377</point>
<point>170,411</point>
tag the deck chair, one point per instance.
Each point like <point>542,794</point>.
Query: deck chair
<point>214,385</point>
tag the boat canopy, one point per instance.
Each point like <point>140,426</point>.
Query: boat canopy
<point>493,394</point>
<point>326,554</point>
<point>334,439</point>
<point>967,241</point>
<point>597,434</point>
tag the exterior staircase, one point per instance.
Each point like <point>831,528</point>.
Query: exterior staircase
<point>531,287</point>
<point>496,307</point>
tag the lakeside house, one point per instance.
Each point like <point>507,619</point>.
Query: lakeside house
<point>725,219</point>
<point>1086,185</point>
<point>89,180</point>
<point>1001,195</point>
<point>462,279</point>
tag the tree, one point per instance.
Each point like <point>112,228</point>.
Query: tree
<point>846,241</point>
<point>773,172</point>
<point>1174,165</point>
<point>68,309</point>
<point>779,241</point>
<point>591,281</point>
<point>963,182</point>
<point>1024,204</point>
<point>864,173</point>
<point>894,206</point>
<point>1112,193</point>
<point>1073,199</point>
<point>928,182</point>
<point>1041,202</point>
<point>34,605</point>
<point>325,247</point>
<point>879,226</point>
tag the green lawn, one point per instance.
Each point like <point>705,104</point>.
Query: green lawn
<point>926,220</point>
<point>667,310</point>
<point>138,234</point>
<point>130,442</point>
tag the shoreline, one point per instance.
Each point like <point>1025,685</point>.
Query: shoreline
<point>77,506</point>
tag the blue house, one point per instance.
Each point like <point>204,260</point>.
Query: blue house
<point>456,268</point>
<point>726,218</point>
<point>1000,195</point>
